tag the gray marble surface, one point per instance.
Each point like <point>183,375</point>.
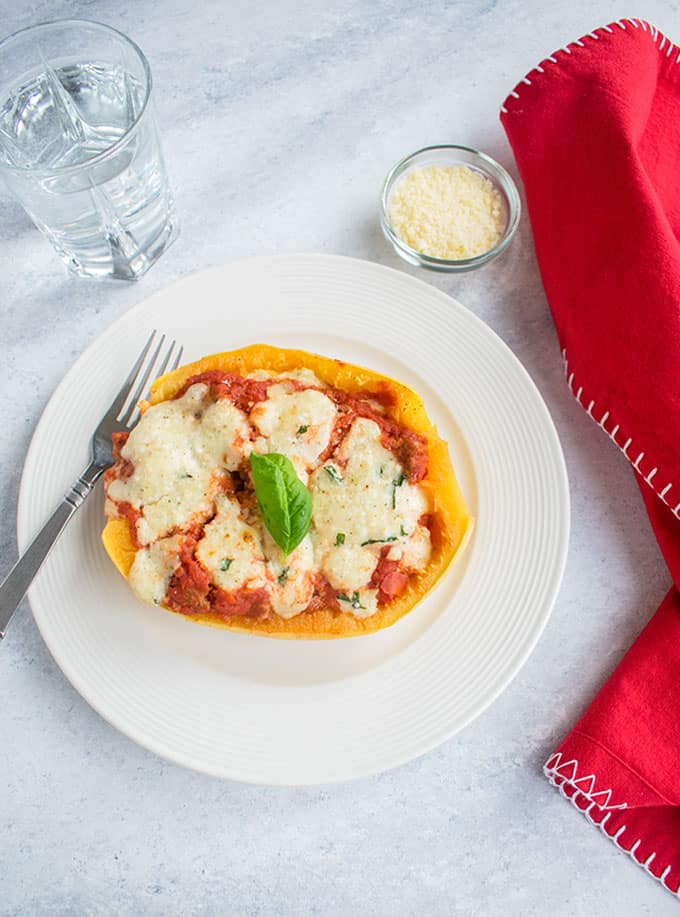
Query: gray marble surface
<point>279,122</point>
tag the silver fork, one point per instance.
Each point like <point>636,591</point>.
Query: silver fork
<point>122,415</point>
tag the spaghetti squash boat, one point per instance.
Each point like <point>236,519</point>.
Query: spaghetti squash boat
<point>194,530</point>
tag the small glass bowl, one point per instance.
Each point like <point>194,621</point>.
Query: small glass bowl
<point>450,155</point>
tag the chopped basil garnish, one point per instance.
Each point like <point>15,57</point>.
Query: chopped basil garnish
<point>284,501</point>
<point>283,576</point>
<point>379,540</point>
<point>302,429</point>
<point>339,539</point>
<point>157,601</point>
<point>397,482</point>
<point>186,475</point>
<point>354,600</point>
<point>333,474</point>
<point>226,563</point>
<point>402,531</point>
<point>382,470</point>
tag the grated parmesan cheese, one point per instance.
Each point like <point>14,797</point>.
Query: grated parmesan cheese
<point>448,212</point>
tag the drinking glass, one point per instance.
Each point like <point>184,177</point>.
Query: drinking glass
<point>79,146</point>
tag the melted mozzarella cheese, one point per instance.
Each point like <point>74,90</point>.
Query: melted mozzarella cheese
<point>260,375</point>
<point>364,498</point>
<point>231,550</point>
<point>223,435</point>
<point>292,577</point>
<point>361,604</point>
<point>356,500</point>
<point>348,567</point>
<point>413,552</point>
<point>296,424</point>
<point>152,569</point>
<point>178,450</point>
<point>305,376</point>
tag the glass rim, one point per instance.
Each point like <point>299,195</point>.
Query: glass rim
<point>494,170</point>
<point>103,154</point>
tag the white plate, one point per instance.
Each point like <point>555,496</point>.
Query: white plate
<point>285,712</point>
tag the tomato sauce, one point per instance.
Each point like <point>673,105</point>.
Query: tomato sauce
<point>244,393</point>
<point>189,586</point>
<point>324,595</point>
<point>249,603</point>
<point>387,578</point>
<point>122,467</point>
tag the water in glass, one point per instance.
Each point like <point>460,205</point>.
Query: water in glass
<point>82,155</point>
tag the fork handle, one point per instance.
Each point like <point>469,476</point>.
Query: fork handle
<point>20,577</point>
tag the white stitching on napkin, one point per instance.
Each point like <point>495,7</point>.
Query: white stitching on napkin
<point>648,477</point>
<point>623,24</point>
<point>554,771</point>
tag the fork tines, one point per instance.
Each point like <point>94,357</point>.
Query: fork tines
<point>165,356</point>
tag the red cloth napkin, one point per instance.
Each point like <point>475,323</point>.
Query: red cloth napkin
<point>596,133</point>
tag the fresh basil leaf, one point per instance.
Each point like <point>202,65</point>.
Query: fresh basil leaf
<point>339,539</point>
<point>302,429</point>
<point>284,501</point>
